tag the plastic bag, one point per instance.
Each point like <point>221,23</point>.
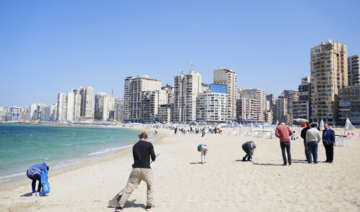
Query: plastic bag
<point>44,182</point>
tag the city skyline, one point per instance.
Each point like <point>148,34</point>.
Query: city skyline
<point>45,52</point>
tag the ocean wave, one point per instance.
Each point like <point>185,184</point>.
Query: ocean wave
<point>13,175</point>
<point>104,151</point>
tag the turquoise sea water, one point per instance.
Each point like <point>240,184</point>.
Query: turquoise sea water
<point>22,146</point>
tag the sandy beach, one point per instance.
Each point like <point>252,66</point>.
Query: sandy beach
<point>224,183</point>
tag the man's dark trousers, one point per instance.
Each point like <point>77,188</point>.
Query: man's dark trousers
<point>286,145</point>
<point>329,150</point>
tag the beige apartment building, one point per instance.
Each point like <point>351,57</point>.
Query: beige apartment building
<point>228,77</point>
<point>259,96</point>
<point>186,89</point>
<point>329,73</point>
<point>134,95</point>
<point>246,110</point>
<point>353,70</point>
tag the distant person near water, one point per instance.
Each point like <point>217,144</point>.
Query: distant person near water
<point>203,148</point>
<point>313,137</point>
<point>34,173</point>
<point>328,141</point>
<point>249,148</point>
<point>303,135</point>
<point>283,132</point>
<point>142,151</point>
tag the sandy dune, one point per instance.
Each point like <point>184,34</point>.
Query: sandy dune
<point>224,183</point>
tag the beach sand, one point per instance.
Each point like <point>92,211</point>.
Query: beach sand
<point>224,183</point>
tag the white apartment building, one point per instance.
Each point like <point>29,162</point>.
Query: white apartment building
<point>69,105</point>
<point>104,106</point>
<point>259,96</point>
<point>41,112</point>
<point>87,102</point>
<point>50,112</point>
<point>187,88</point>
<point>228,77</point>
<point>353,70</point>
<point>212,107</point>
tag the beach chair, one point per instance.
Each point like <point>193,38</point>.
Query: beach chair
<point>346,141</point>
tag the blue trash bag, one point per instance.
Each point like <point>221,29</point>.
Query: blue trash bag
<point>45,183</point>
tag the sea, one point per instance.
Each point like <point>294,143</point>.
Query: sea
<point>22,146</point>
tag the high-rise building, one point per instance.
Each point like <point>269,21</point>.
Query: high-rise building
<point>119,110</point>
<point>212,107</point>
<point>133,94</point>
<point>165,112</point>
<point>187,88</point>
<point>170,92</point>
<point>87,103</point>
<point>329,73</point>
<point>127,97</point>
<point>4,114</point>
<point>228,77</point>
<point>349,104</point>
<point>68,106</point>
<point>151,101</point>
<point>291,96</point>
<point>259,96</point>
<point>41,112</point>
<point>272,98</point>
<point>353,70</point>
<point>50,112</point>
<point>104,107</point>
<point>301,108</point>
<point>246,110</point>
<point>281,111</point>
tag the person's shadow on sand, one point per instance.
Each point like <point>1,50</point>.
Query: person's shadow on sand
<point>195,163</point>
<point>27,195</point>
<point>30,195</point>
<point>267,164</point>
<point>132,204</point>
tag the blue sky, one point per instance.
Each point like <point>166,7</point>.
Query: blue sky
<point>48,47</point>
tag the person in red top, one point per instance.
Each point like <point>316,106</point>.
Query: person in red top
<point>283,132</point>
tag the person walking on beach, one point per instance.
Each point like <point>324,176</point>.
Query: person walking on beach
<point>175,130</point>
<point>328,141</point>
<point>303,136</point>
<point>142,151</point>
<point>283,132</point>
<point>34,173</point>
<point>313,137</point>
<point>249,148</point>
<point>203,148</point>
<point>203,132</point>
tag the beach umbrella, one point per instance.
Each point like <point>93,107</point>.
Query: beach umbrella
<point>348,125</point>
<point>322,125</point>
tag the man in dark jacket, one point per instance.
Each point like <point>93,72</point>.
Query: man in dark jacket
<point>142,151</point>
<point>303,135</point>
<point>328,141</point>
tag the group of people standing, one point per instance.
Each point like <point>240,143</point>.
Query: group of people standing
<point>312,137</point>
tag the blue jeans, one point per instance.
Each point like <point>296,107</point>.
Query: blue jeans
<point>313,149</point>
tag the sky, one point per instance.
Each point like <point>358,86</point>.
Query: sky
<point>51,47</point>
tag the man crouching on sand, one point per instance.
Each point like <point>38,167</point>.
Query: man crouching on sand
<point>249,148</point>
<point>142,151</point>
